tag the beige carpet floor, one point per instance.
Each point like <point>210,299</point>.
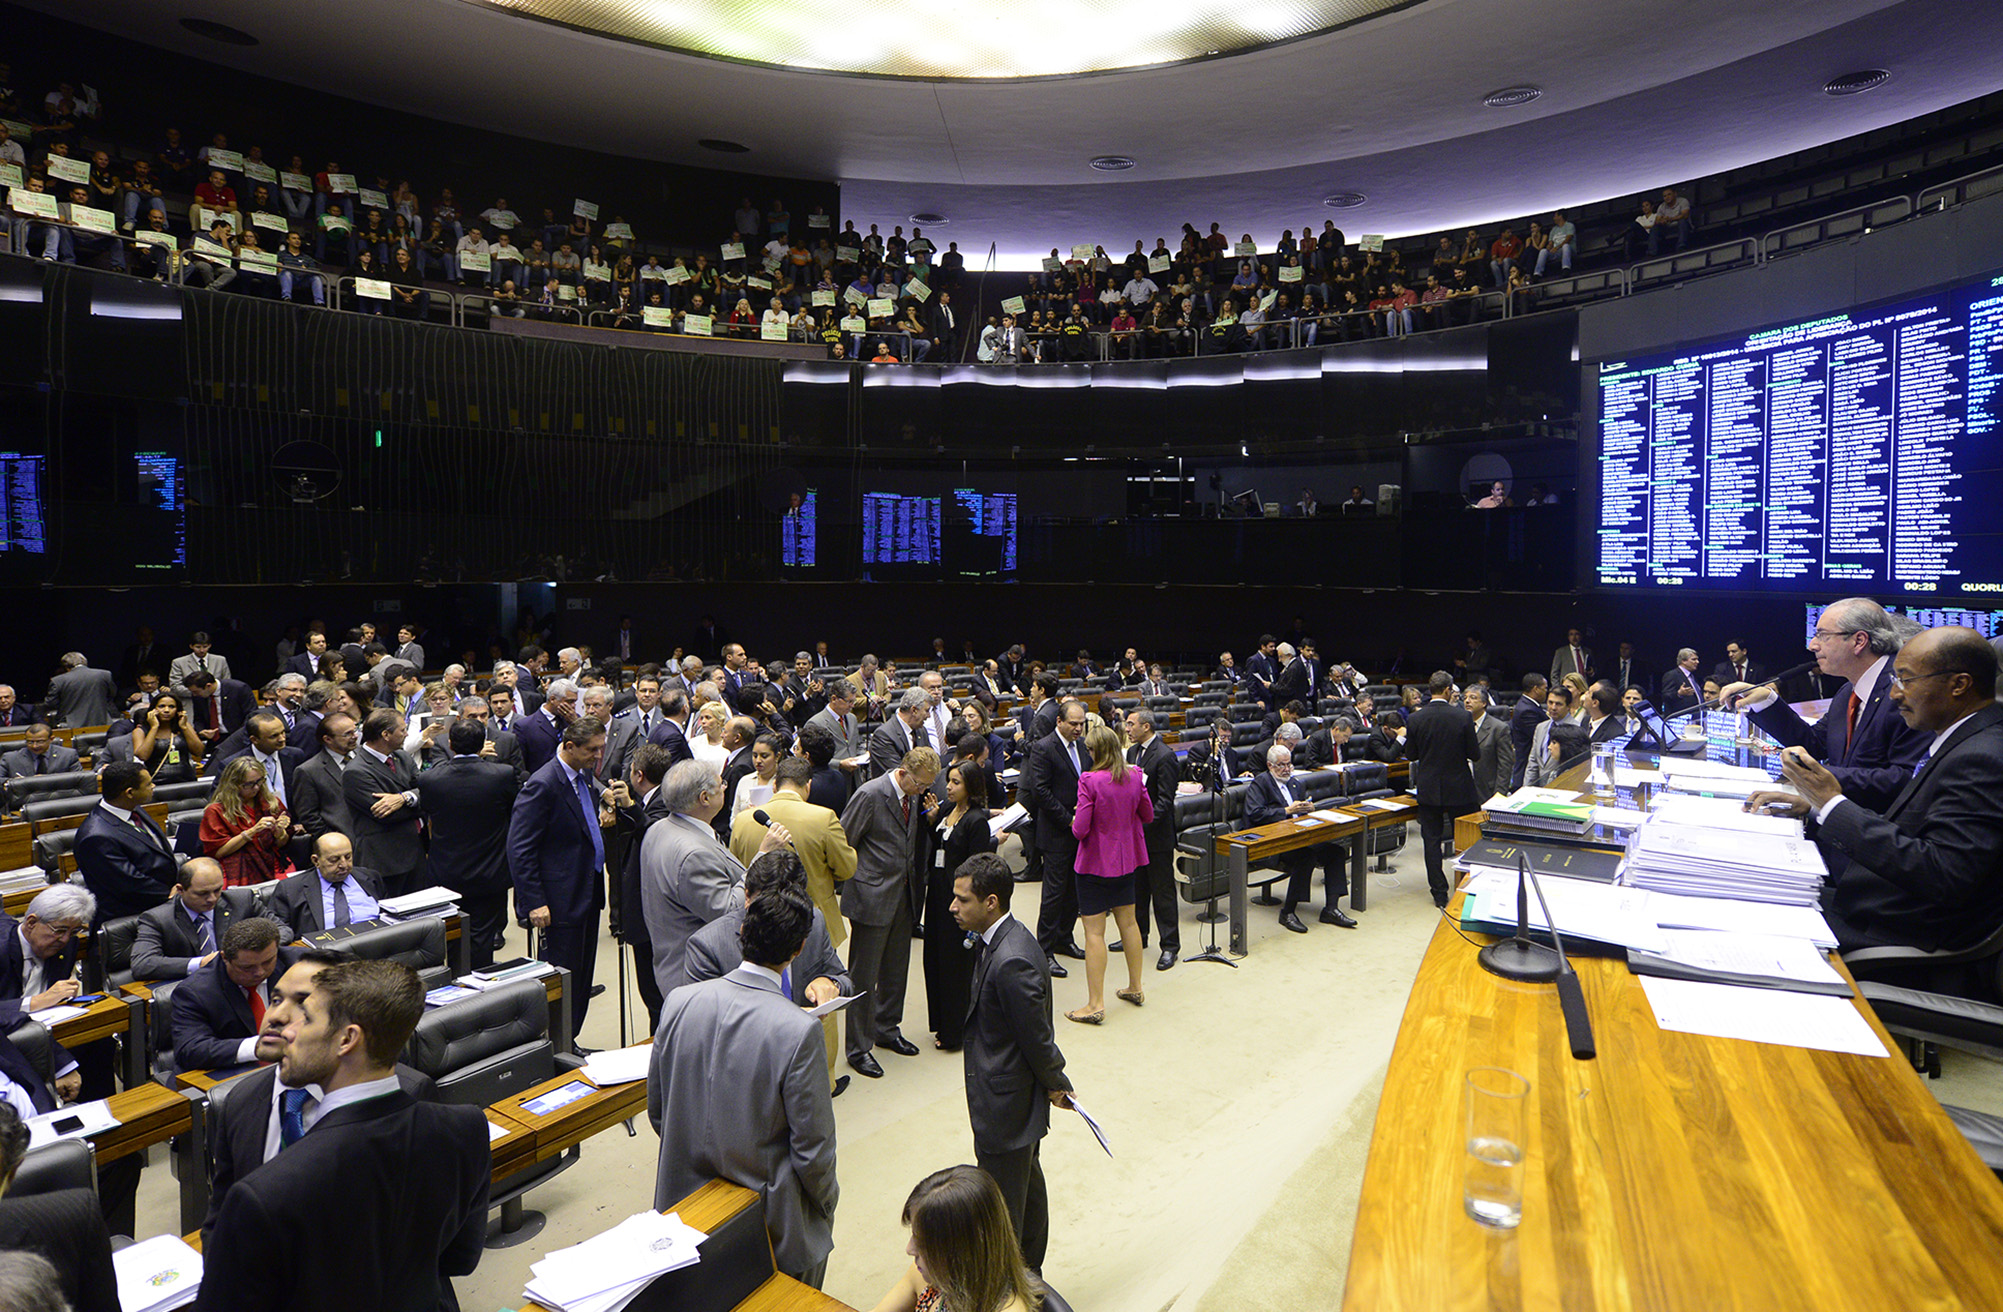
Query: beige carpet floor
<point>1239,1105</point>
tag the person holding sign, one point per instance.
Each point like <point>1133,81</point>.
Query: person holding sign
<point>334,230</point>
<point>367,270</point>
<point>473,257</point>
<point>774,318</point>
<point>214,198</point>
<point>257,269</point>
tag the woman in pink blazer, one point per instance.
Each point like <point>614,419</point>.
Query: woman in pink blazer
<point>1113,811</point>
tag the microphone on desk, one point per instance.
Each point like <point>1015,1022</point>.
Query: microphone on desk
<point>1520,958</point>
<point>1797,670</point>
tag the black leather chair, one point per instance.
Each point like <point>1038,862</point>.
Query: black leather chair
<point>193,792</point>
<point>1163,705</point>
<point>65,1164</point>
<point>88,744</point>
<point>109,961</point>
<point>51,848</point>
<point>481,1050</point>
<point>160,1033</point>
<point>70,783</point>
<point>44,815</point>
<point>419,944</point>
<point>1200,716</point>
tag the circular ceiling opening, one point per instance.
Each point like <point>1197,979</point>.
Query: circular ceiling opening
<point>974,39</point>
<point>934,219</point>
<point>1344,200</point>
<point>1112,163</point>
<point>1510,97</point>
<point>722,147</point>
<point>223,32</point>
<point>1850,84</point>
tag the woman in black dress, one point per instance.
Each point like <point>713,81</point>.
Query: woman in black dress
<point>959,829</point>
<point>164,742</point>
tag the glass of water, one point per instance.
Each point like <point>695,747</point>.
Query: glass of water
<point>1498,1103</point>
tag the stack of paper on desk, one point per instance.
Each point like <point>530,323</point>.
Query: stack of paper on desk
<point>605,1273</point>
<point>157,1274</point>
<point>1711,778</point>
<point>1719,813</point>
<point>1675,858</point>
<point>1584,909</point>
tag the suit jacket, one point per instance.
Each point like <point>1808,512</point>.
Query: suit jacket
<point>19,716</point>
<point>1628,673</point>
<point>847,735</point>
<point>1011,1055</point>
<point>1523,722</point>
<point>508,751</point>
<point>166,941</point>
<point>127,872</point>
<point>1157,761</point>
<point>885,842</point>
<point>1292,684</point>
<point>83,696</point>
<point>392,846</point>
<point>1677,692</point>
<point>469,802</point>
<point>1873,767</point>
<point>1264,804</point>
<point>1610,730</point>
<point>1261,673</point>
<point>290,759</point>
<point>1539,770</point>
<point>305,731</point>
<point>1441,742</point>
<point>302,663</point>
<point>550,853</point>
<point>687,879</point>
<point>182,666</point>
<point>818,840</point>
<point>1011,673</point>
<point>411,654</point>
<point>775,1133</point>
<point>318,800</point>
<point>1725,672</point>
<point>211,1016</point>
<point>296,900</point>
<point>1051,780</point>
<point>539,735</point>
<point>633,823</point>
<point>67,1228</point>
<point>667,734</point>
<point>1923,873</point>
<point>1490,769</point>
<point>407,1180</point>
<point>1562,663</point>
<point>717,949</point>
<point>241,1122</point>
<point>892,739</point>
<point>234,703</point>
<point>58,967</point>
<point>20,764</point>
<point>622,737</point>
<point>1110,824</point>
<point>735,767</point>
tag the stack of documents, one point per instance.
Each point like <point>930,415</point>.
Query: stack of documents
<point>1754,960</point>
<point>605,1273</point>
<point>433,901</point>
<point>619,1065</point>
<point>1540,810</point>
<point>157,1274</point>
<point>1707,862</point>
<point>24,879</point>
<point>1714,779</point>
<point>1586,910</point>
<point>1719,813</point>
<point>506,973</point>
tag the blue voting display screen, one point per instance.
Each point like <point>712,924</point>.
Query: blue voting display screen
<point>1857,452</point>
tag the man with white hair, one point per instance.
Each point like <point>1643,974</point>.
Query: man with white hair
<point>569,661</point>
<point>687,878</point>
<point>540,732</point>
<point>455,675</point>
<point>38,953</point>
<point>288,698</point>
<point>940,709</point>
<point>1292,683</point>
<point>507,677</point>
<point>903,731</point>
<point>81,695</point>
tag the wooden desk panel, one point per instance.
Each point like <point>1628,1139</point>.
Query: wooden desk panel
<point>515,1150</point>
<point>148,1114</point>
<point>107,1016</point>
<point>1675,1172</point>
<point>573,1123</point>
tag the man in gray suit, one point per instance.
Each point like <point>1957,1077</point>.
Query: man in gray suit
<point>182,934</point>
<point>716,949</point>
<point>1015,1074</point>
<point>199,657</point>
<point>687,877</point>
<point>1492,768</point>
<point>39,754</point>
<point>775,1131</point>
<point>881,822</point>
<point>904,730</point>
<point>838,718</point>
<point>82,696</point>
<point>318,802</point>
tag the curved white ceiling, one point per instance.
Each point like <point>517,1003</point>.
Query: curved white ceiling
<point>1637,93</point>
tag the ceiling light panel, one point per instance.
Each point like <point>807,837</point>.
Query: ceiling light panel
<point>951,39</point>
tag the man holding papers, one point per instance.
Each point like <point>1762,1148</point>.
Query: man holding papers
<point>739,1089</point>
<point>1923,873</point>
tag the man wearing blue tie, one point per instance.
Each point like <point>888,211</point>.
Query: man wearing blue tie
<point>556,854</point>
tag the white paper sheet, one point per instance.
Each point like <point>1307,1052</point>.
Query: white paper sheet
<point>1628,776</point>
<point>1795,1020</point>
<point>1672,911</point>
<point>833,1005</point>
<point>1771,955</point>
<point>618,1065</point>
<point>57,1014</point>
<point>156,1274</point>
<point>88,1118</point>
<point>1093,1126</point>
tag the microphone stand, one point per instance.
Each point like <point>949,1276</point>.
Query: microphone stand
<point>1213,952</point>
<point>1522,959</point>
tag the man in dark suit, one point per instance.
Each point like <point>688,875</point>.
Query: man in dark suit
<point>1523,722</point>
<point>1681,688</point>
<point>15,714</point>
<point>541,731</point>
<point>39,754</point>
<point>380,785</point>
<point>1154,883</point>
<point>319,803</point>
<point>556,854</point>
<point>217,708</point>
<point>707,640</point>
<point>406,1180</point>
<point>1276,794</point>
<point>1262,670</point>
<point>142,654</point>
<point>1015,1074</point>
<point>1291,683</point>
<point>122,852</point>
<point>65,1227</point>
<point>332,893</point>
<point>1862,740</point>
<point>1290,711</point>
<point>218,1009</point>
<point>1050,774</point>
<point>1606,718</point>
<point>469,800</point>
<point>38,953</point>
<point>1014,673</point>
<point>1235,760</point>
<point>1627,670</point>
<point>407,649</point>
<point>903,730</point>
<point>667,733</point>
<point>1738,666</point>
<point>1443,746</point>
<point>507,749</point>
<point>1921,872</point>
<point>881,900</point>
<point>307,663</point>
<point>82,696</point>
<point>183,934</point>
<point>646,805</point>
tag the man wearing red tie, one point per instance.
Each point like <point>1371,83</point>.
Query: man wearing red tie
<point>218,1010</point>
<point>1738,667</point>
<point>380,785</point>
<point>1861,738</point>
<point>1572,658</point>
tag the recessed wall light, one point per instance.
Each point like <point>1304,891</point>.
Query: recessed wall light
<point>1112,163</point>
<point>1510,97</point>
<point>1850,84</point>
<point>222,32</point>
<point>1344,200</point>
<point>723,147</point>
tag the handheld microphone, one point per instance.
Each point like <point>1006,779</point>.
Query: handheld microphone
<point>762,818</point>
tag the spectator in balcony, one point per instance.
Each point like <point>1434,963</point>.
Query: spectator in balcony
<point>945,328</point>
<point>1444,258</point>
<point>1436,307</point>
<point>296,270</point>
<point>800,327</point>
<point>1468,293</point>
<point>473,243</point>
<point>1497,498</point>
<point>1074,338</point>
<point>10,150</point>
<point>447,213</point>
<point>264,286</point>
<point>506,301</point>
<point>743,320</point>
<point>104,184</point>
<point>884,355</point>
<point>509,265</point>
<point>176,161</point>
<point>261,202</point>
<point>1474,255</point>
<point>535,269</point>
<point>77,244</point>
<point>1502,256</point>
<point>596,278</point>
<point>1560,240</point>
<point>499,217</point>
<point>1535,248</point>
<point>565,265</point>
<point>745,217</point>
<point>218,142</point>
<point>333,243</point>
<point>1309,319</point>
<point>920,251</point>
<point>1639,237</point>
<point>1246,279</point>
<point>407,297</point>
<point>1672,219</point>
<point>1399,309</point>
<point>952,265</point>
<point>367,266</point>
<point>404,201</point>
<point>157,259</point>
<point>916,333</point>
<point>215,198</point>
<point>1125,342</point>
<point>403,237</point>
<point>298,205</point>
<point>1354,320</point>
<point>435,255</point>
<point>1252,323</point>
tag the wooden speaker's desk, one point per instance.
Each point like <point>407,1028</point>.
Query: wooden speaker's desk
<point>1675,1172</point>
<point>574,1122</point>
